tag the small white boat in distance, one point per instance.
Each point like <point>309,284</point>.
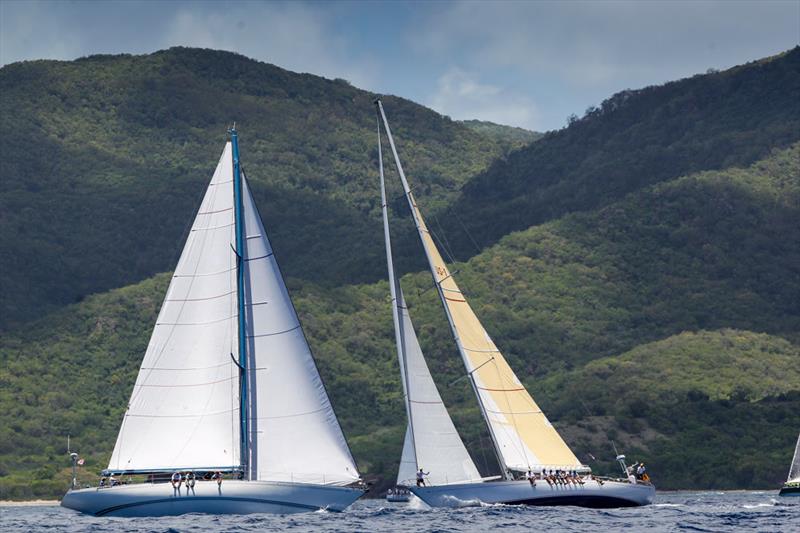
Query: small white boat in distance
<point>228,385</point>
<point>435,465</point>
<point>792,485</point>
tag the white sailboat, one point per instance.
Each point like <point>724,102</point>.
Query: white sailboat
<point>524,440</point>
<point>792,485</point>
<point>228,384</point>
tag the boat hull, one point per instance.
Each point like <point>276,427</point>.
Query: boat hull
<point>232,497</point>
<point>592,494</point>
<point>790,489</point>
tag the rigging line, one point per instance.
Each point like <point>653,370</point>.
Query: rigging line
<point>443,241</point>
<point>435,283</point>
<point>464,227</point>
<point>468,374</point>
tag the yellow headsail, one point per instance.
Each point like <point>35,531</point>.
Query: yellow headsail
<point>523,436</point>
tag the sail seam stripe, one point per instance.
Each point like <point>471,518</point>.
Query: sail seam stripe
<point>195,323</point>
<point>171,385</point>
<point>138,415</point>
<point>453,300</point>
<point>203,275</point>
<point>186,368</point>
<point>515,413</point>
<point>213,212</point>
<point>219,183</point>
<point>213,227</point>
<point>261,257</point>
<point>501,390</point>
<point>273,334</point>
<point>290,416</point>
<point>200,299</point>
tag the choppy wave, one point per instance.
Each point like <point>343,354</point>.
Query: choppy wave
<point>688,511</point>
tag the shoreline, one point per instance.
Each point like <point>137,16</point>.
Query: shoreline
<point>28,503</point>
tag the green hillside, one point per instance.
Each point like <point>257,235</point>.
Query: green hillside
<point>632,140</point>
<point>685,293</point>
<point>105,160</point>
<point>515,137</point>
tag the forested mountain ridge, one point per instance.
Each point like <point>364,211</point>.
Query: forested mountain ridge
<point>633,139</point>
<point>105,159</point>
<point>594,311</point>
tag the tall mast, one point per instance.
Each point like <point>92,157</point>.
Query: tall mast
<point>401,350</point>
<point>420,229</point>
<point>240,240</point>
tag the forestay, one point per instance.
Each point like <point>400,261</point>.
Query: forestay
<point>523,436</point>
<point>184,409</point>
<point>294,433</point>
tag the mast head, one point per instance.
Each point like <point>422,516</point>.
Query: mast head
<point>232,129</point>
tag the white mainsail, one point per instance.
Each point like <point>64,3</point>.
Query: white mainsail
<point>184,412</point>
<point>523,436</point>
<point>431,442</point>
<point>294,433</point>
<point>794,470</point>
<point>184,409</point>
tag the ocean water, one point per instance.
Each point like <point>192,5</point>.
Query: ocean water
<point>673,511</point>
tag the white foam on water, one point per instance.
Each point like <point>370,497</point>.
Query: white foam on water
<point>417,504</point>
<point>757,505</point>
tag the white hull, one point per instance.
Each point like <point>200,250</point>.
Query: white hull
<point>232,497</point>
<point>591,494</point>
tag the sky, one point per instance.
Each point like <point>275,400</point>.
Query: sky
<point>522,63</point>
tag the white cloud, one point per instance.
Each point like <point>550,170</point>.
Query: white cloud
<point>595,43</point>
<point>292,35</point>
<point>460,95</point>
<point>27,31</point>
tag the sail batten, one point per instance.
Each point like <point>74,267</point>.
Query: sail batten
<point>522,436</point>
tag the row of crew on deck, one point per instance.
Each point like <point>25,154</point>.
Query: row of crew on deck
<point>177,479</point>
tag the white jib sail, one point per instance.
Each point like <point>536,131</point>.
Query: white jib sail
<point>794,470</point>
<point>439,449</point>
<point>294,433</point>
<point>432,441</point>
<point>407,472</point>
<point>184,409</point>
